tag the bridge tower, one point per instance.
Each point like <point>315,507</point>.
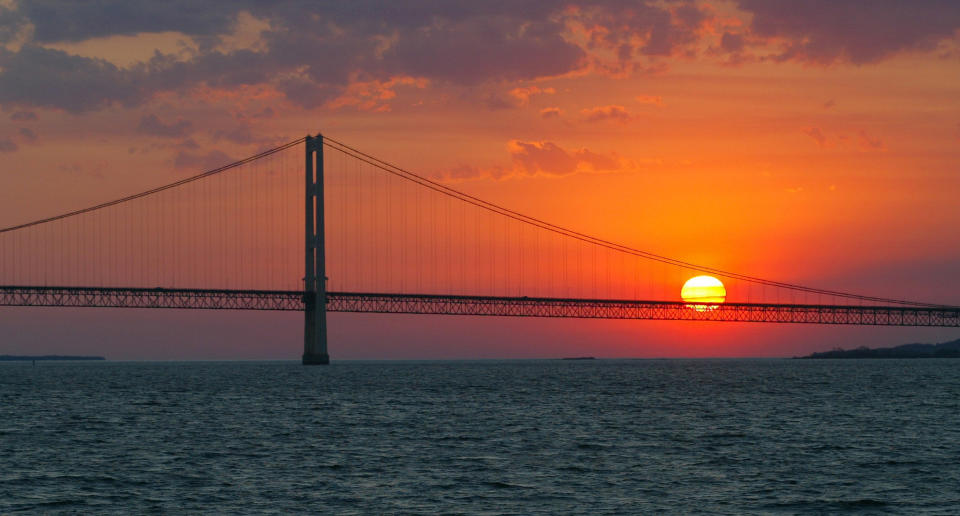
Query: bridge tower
<point>315,278</point>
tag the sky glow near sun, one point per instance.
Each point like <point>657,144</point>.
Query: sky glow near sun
<point>799,141</point>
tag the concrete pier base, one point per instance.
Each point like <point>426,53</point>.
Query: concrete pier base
<point>316,359</point>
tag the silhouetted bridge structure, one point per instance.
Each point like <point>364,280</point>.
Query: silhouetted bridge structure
<point>361,302</point>
<point>257,235</point>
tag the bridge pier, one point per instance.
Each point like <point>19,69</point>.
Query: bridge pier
<point>315,277</point>
<point>314,333</point>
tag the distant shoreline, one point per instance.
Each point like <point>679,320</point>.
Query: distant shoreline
<point>45,358</point>
<point>944,350</point>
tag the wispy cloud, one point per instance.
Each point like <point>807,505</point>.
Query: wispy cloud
<point>544,157</point>
<point>551,112</point>
<point>152,125</point>
<point>868,143</point>
<point>817,134</point>
<point>655,100</point>
<point>28,135</point>
<point>200,161</point>
<point>23,116</point>
<point>808,30</point>
<point>524,94</point>
<point>8,145</point>
<point>612,112</point>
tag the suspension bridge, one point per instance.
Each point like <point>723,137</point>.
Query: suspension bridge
<point>318,226</point>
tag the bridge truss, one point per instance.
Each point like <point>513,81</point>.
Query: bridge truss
<point>479,305</point>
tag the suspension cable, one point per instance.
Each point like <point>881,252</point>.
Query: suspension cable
<point>485,205</point>
<point>158,189</point>
<point>506,212</point>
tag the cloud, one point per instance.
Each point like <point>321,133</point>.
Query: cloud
<point>628,30</point>
<point>541,157</point>
<point>27,135</point>
<point>495,101</point>
<point>313,54</point>
<point>862,142</point>
<point>523,95</point>
<point>8,145</point>
<point>23,116</point>
<point>89,168</point>
<point>150,124</point>
<point>817,135</point>
<point>485,48</point>
<point>732,43</point>
<point>317,55</point>
<point>41,77</point>
<point>601,113</point>
<point>266,112</point>
<point>596,162</point>
<point>372,95</point>
<point>187,144</point>
<point>463,173</point>
<point>551,112</point>
<point>655,100</point>
<point>66,21</point>
<point>867,143</point>
<point>241,135</point>
<point>828,31</point>
<point>200,161</point>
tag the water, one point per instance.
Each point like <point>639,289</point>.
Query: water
<point>560,437</point>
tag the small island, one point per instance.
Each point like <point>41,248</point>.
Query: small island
<point>943,350</point>
<point>31,358</point>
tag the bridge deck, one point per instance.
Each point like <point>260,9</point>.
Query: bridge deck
<point>477,305</point>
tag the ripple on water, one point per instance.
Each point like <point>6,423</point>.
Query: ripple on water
<point>604,437</point>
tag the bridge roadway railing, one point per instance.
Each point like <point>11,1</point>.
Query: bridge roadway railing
<point>479,305</point>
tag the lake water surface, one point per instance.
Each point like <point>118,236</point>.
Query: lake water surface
<point>516,437</point>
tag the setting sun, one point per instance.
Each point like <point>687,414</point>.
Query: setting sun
<point>706,291</point>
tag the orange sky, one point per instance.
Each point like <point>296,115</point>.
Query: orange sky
<point>807,142</point>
